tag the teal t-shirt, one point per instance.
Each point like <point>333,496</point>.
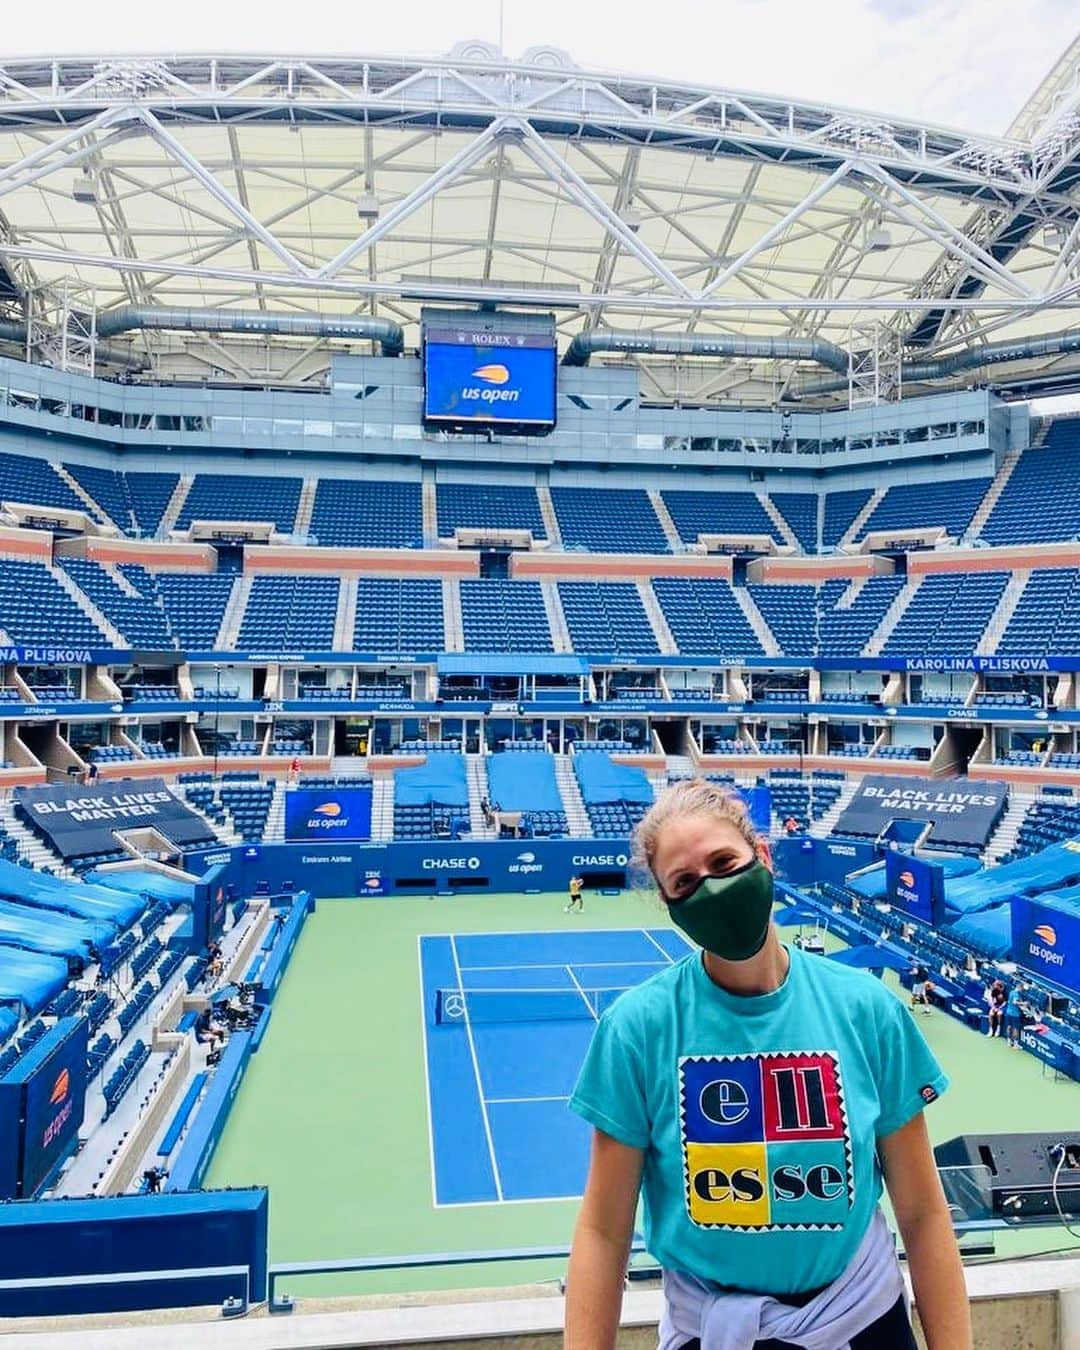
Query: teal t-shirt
<point>758,1116</point>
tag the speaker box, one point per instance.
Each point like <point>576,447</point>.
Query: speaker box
<point>1019,1170</point>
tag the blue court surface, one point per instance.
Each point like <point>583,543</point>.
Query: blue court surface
<point>508,1018</point>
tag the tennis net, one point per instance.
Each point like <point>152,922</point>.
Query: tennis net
<point>522,1005</point>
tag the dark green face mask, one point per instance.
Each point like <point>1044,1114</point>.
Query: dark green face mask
<point>728,916</point>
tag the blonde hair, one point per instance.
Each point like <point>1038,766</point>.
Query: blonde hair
<point>692,797</point>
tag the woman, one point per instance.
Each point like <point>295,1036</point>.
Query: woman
<point>755,1093</point>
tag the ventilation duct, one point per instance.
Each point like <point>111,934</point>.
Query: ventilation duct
<point>390,335</point>
<point>690,344</point>
<point>972,358</point>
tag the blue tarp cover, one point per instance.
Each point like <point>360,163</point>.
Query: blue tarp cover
<point>51,933</point>
<point>988,930</point>
<point>9,1020</point>
<point>1052,869</point>
<point>523,782</point>
<point>868,957</point>
<point>603,781</point>
<point>30,978</point>
<point>872,884</point>
<point>74,897</point>
<point>439,781</point>
<point>796,914</point>
<point>144,881</point>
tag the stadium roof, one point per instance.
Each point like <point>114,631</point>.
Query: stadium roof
<point>333,187</point>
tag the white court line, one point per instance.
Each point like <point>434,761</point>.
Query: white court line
<point>561,965</point>
<point>666,955</point>
<point>514,1101</point>
<point>476,1071</point>
<point>427,1075</point>
<point>581,991</point>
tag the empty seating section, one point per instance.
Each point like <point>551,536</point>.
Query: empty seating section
<point>1045,823</point>
<point>800,510</point>
<point>801,799</point>
<point>705,618</point>
<point>841,508</point>
<point>1046,621</point>
<point>352,513</point>
<point>488,506</point>
<point>398,617</point>
<point>607,618</point>
<point>288,611</point>
<point>258,497</point>
<point>608,520</point>
<point>194,603</point>
<point>949,504</point>
<point>34,607</point>
<point>846,631</point>
<point>948,613</point>
<point>150,494</point>
<point>696,513</point>
<point>791,613</point>
<point>1041,501</point>
<point>135,502</point>
<point>249,805</point>
<point>140,621</point>
<point>504,616</point>
<point>34,482</point>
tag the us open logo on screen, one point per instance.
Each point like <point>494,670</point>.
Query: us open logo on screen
<point>327,816</point>
<point>1047,933</point>
<point>492,374</point>
<point>765,1141</point>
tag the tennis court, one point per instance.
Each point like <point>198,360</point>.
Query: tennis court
<point>333,1110</point>
<point>508,1018</point>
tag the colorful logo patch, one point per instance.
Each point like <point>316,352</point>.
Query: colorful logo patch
<point>1047,933</point>
<point>765,1141</point>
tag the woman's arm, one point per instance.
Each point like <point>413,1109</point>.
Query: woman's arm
<point>601,1247</point>
<point>926,1228</point>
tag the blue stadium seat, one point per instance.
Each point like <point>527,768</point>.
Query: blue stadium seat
<point>193,603</point>
<point>705,618</point>
<point>608,520</point>
<point>948,613</point>
<point>841,508</point>
<point>141,622</point>
<point>290,612</point>
<point>225,496</point>
<point>607,618</point>
<point>504,616</point>
<point>948,503</point>
<point>800,510</point>
<point>397,618</point>
<point>1046,620</point>
<point>488,506</point>
<point>1040,502</point>
<point>364,513</point>
<point>695,513</point>
<point>35,608</point>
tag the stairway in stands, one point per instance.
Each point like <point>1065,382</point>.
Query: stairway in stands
<point>35,852</point>
<point>577,818</point>
<point>274,831</point>
<point>477,781</point>
<point>829,820</point>
<point>382,808</point>
<point>1003,840</point>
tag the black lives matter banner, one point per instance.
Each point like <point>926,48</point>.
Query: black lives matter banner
<point>78,821</point>
<point>961,811</point>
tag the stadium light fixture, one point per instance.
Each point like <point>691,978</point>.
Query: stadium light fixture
<point>367,206</point>
<point>632,218</point>
<point>878,240</point>
<point>85,187</point>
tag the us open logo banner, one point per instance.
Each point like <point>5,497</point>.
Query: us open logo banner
<point>765,1141</point>
<point>320,813</point>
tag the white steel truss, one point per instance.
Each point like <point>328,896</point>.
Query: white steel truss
<point>233,181</point>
